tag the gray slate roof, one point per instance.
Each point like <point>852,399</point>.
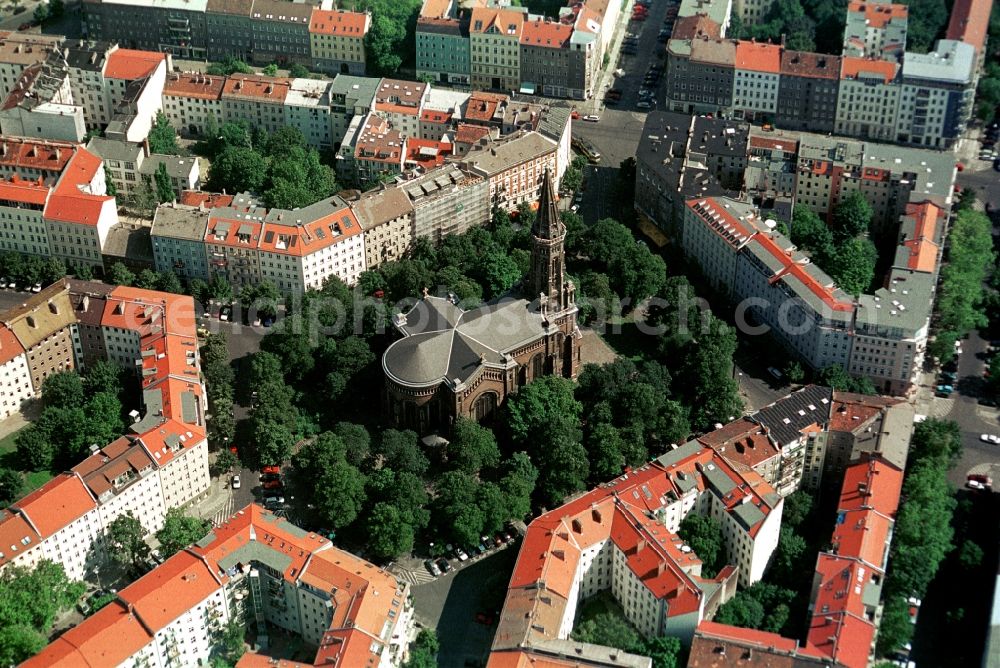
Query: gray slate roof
<point>786,417</point>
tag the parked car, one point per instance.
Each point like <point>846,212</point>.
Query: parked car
<point>443,565</point>
<point>484,618</point>
<point>271,470</point>
<point>993,439</point>
<point>432,568</point>
<point>645,105</point>
<point>36,288</point>
<point>978,481</point>
<point>235,483</point>
<point>272,484</point>
<point>460,553</point>
<point>945,389</point>
<point>3,283</point>
<point>593,118</point>
<point>950,376</point>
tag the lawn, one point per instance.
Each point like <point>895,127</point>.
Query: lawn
<point>8,459</point>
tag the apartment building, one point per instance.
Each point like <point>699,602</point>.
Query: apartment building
<point>307,109</point>
<point>135,81</point>
<point>755,80</point>
<point>875,30</point>
<point>337,41</point>
<point>372,149</point>
<point>555,61</point>
<point>443,48</point>
<point>41,104</point>
<point>18,51</point>
<point>295,250</point>
<point>259,566</point>
<point>162,463</point>
<point>447,201</point>
<point>938,93</point>
<point>177,27</point>
<point>228,31</point>
<point>714,642</point>
<point>513,167</point>
<point>15,374</point>
<point>386,216</point>
<point>129,167</point>
<point>178,238</point>
<point>280,32</point>
<point>87,62</point>
<point>192,101</point>
<point>807,91</point>
<point>701,74</point>
<point>968,22</point>
<point>621,537</point>
<point>401,103</point>
<point>258,100</point>
<point>868,103</point>
<point>494,47</point>
<point>350,97</point>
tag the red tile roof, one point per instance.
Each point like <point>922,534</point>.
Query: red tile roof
<point>742,442</point>
<point>23,191</point>
<point>195,85</point>
<point>852,68</point>
<point>10,348</point>
<point>339,22</point>
<point>106,638</point>
<point>546,33</point>
<point>878,14</point>
<point>839,627</point>
<point>806,64</point>
<point>40,154</point>
<point>969,22</point>
<point>56,504</point>
<point>690,27</point>
<point>168,591</point>
<point>16,537</point>
<point>923,249</point>
<point>758,57</point>
<point>271,89</point>
<point>470,134</point>
<point>130,64</point>
<point>70,203</point>
<point>507,21</point>
<point>871,483</point>
<point>793,268</point>
<point>208,200</point>
<point>768,650</point>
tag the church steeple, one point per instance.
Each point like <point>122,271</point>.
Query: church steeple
<point>547,278</point>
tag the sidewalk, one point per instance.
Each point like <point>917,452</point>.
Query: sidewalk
<point>606,77</point>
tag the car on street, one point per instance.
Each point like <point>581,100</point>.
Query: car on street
<point>235,483</point>
<point>645,105</point>
<point>460,553</point>
<point>990,438</point>
<point>432,568</point>
<point>978,481</point>
<point>593,118</point>
<point>945,389</point>
<point>444,565</point>
<point>36,288</point>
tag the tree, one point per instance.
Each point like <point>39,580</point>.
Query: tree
<point>54,269</point>
<point>270,71</point>
<point>608,629</point>
<point>500,272</point>
<point>147,279</point>
<point>665,651</point>
<point>518,484</point>
<point>798,505</point>
<point>810,233</point>
<point>970,555</point>
<point>704,536</point>
<point>32,598</point>
<point>742,611</point>
<point>297,71</point>
<point>180,530</point>
<point>794,372</point>
<point>237,169</point>
<point>64,389</point>
<point>163,137</point>
<point>126,541</point>
<point>357,441</point>
<point>389,534</point>
<point>472,447</point>
<point>11,484</point>
<point>540,404</point>
<point>225,461</point>
<point>423,650</point>
<point>340,494</point>
<point>164,187</point>
<point>274,441</point>
<point>34,448</point>
<point>400,451</point>
<point>169,282</point>
<point>708,371</point>
<point>228,67</point>
<point>41,14</point>
<point>119,274</point>
<point>896,629</point>
<point>852,265</point>
<point>220,290</point>
<point>381,44</point>
<point>56,8</point>
<point>230,645</point>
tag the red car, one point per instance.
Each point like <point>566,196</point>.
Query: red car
<point>274,483</point>
<point>271,469</point>
<point>575,115</point>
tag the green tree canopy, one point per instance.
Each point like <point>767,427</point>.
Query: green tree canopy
<point>180,530</point>
<point>472,447</point>
<point>32,597</point>
<point>423,650</point>
<point>704,536</point>
<point>126,541</point>
<point>163,137</point>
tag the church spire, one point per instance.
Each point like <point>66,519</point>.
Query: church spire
<point>547,223</point>
<point>547,278</point>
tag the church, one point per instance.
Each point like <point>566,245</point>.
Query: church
<point>450,362</point>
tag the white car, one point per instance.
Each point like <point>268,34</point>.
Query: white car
<point>236,482</point>
<point>593,118</point>
<point>974,484</point>
<point>462,556</point>
<point>36,288</point>
<point>990,438</point>
<point>619,72</point>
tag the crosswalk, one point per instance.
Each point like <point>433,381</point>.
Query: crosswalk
<point>413,577</point>
<point>224,513</point>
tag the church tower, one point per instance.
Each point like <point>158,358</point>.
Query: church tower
<point>547,276</point>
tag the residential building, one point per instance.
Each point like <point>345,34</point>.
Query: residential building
<point>447,201</point>
<point>87,62</point>
<point>807,91</point>
<point>938,94</point>
<point>793,423</point>
<point>621,537</point>
<point>15,374</point>
<point>20,50</point>
<point>258,100</point>
<point>160,464</point>
<point>337,41</point>
<point>875,30</point>
<point>443,45</point>
<point>373,149</point>
<point>183,172</point>
<point>130,167</point>
<point>296,250</point>
<point>401,103</point>
<point>134,81</point>
<point>192,101</point>
<point>755,80</point>
<point>868,103</point>
<point>968,22</point>
<point>700,77</point>
<point>178,237</point>
<point>723,646</point>
<point>280,32</point>
<point>514,167</point>
<point>255,565</point>
<point>41,104</point>
<point>307,109</point>
<point>494,47</point>
<point>350,97</point>
<point>452,362</point>
<point>552,64</point>
<point>169,26</point>
<point>228,30</point>
<point>386,216</point>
